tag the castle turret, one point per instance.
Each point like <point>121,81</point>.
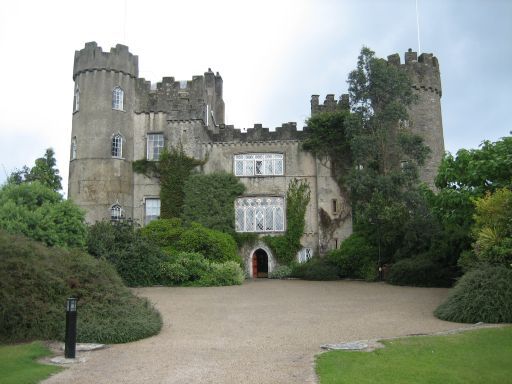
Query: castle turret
<point>425,115</point>
<point>100,171</point>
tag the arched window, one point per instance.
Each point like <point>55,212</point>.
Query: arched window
<point>118,98</point>
<point>116,212</point>
<point>76,99</point>
<point>73,148</point>
<point>117,145</point>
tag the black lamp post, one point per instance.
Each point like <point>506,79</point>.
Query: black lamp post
<point>70,342</point>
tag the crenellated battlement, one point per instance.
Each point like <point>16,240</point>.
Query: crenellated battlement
<point>330,104</point>
<point>286,132</point>
<point>423,70</point>
<point>92,58</point>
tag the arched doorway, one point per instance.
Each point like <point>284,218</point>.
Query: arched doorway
<point>260,263</point>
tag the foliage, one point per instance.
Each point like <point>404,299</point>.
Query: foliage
<point>192,269</point>
<point>327,139</point>
<point>35,282</point>
<point>356,258</point>
<point>44,171</point>
<point>478,170</point>
<point>41,214</point>
<point>173,169</point>
<point>474,357</point>
<point>134,257</point>
<point>315,269</point>
<point>493,227</point>
<point>285,247</point>
<point>483,294</point>
<point>420,271</point>
<point>210,200</point>
<point>213,245</point>
<point>163,232</point>
<point>18,363</point>
<point>280,272</point>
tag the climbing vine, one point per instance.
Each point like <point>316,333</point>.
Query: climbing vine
<point>173,169</point>
<point>285,247</point>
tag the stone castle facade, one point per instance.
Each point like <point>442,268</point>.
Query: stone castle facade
<point>119,117</point>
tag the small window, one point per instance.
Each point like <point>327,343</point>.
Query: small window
<point>73,148</point>
<point>117,146</point>
<point>304,255</point>
<point>152,210</point>
<point>155,145</point>
<point>118,98</point>
<point>76,99</point>
<point>336,206</point>
<point>116,212</point>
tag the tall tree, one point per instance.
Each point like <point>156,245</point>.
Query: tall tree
<point>45,171</point>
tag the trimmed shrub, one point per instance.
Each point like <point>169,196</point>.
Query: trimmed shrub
<point>315,269</point>
<point>356,258</point>
<point>280,272</point>
<point>35,282</point>
<point>213,245</point>
<point>420,271</point>
<point>483,294</point>
<point>163,232</point>
<point>228,273</point>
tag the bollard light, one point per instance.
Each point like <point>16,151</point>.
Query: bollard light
<point>70,342</point>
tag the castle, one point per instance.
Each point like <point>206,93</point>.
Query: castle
<point>119,118</point>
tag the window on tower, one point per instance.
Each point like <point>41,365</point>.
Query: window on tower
<point>117,145</point>
<point>116,212</point>
<point>118,98</point>
<point>73,148</point>
<point>76,99</point>
<point>155,145</point>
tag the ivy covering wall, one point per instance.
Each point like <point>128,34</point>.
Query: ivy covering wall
<point>285,247</point>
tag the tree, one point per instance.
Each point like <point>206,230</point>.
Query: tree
<point>41,213</point>
<point>44,171</point>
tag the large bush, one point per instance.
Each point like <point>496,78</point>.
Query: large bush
<point>136,259</point>
<point>420,271</point>
<point>42,214</point>
<point>35,282</point>
<point>315,269</point>
<point>213,245</point>
<point>483,294</point>
<point>356,258</point>
<point>192,269</point>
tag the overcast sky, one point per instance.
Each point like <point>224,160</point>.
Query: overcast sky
<point>272,55</point>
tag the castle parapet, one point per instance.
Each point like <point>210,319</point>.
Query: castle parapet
<point>286,132</point>
<point>330,104</point>
<point>92,57</point>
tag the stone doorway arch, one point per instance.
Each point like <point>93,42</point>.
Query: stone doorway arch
<point>259,262</point>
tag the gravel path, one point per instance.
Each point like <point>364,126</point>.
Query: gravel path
<point>265,331</point>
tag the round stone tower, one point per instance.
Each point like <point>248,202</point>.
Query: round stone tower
<point>100,170</point>
<point>425,115</point>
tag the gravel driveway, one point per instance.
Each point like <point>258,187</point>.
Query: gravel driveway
<point>265,331</point>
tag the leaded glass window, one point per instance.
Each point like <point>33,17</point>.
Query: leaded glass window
<point>152,210</point>
<point>259,214</point>
<point>259,164</point>
<point>118,98</point>
<point>117,146</point>
<point>155,145</point>
<point>304,255</point>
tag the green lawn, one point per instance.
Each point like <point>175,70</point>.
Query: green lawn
<point>18,365</point>
<point>480,356</point>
